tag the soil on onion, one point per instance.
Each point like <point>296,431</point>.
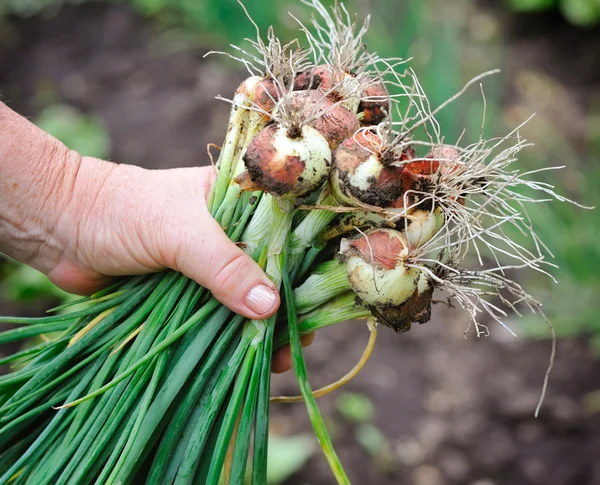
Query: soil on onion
<point>454,410</point>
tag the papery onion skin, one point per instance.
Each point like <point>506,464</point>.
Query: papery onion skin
<point>443,157</point>
<point>338,85</point>
<point>444,160</point>
<point>334,122</point>
<point>325,78</point>
<point>286,166</point>
<point>375,109</point>
<point>422,225</point>
<point>259,92</point>
<point>318,77</point>
<point>377,270</point>
<point>360,174</point>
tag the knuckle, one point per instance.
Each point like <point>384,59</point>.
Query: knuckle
<point>196,182</point>
<point>232,272</point>
<point>177,247</point>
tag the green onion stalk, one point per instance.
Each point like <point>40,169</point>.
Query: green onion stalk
<point>322,181</point>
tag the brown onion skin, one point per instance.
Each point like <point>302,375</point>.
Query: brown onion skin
<point>386,252</point>
<point>318,77</point>
<point>271,174</point>
<point>335,123</point>
<point>374,111</point>
<point>442,158</point>
<point>379,249</point>
<point>265,94</point>
<point>284,163</point>
<point>392,181</point>
<point>409,182</point>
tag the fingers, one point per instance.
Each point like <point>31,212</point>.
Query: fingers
<point>212,260</point>
<point>282,358</point>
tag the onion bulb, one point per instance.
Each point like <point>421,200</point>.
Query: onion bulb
<point>345,88</point>
<point>286,164</point>
<point>417,309</point>
<point>261,92</point>
<point>323,76</point>
<point>422,225</point>
<point>377,270</point>
<point>361,175</point>
<point>374,105</point>
<point>332,120</point>
<point>442,157</point>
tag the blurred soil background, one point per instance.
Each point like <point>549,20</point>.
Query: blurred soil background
<point>128,81</point>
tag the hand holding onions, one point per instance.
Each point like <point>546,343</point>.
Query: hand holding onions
<point>324,183</point>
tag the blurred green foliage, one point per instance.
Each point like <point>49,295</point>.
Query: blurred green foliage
<point>27,7</point>
<point>578,12</point>
<point>287,455</point>
<point>355,408</point>
<point>359,410</point>
<point>24,284</point>
<point>571,234</point>
<point>86,134</point>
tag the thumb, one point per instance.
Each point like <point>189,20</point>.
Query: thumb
<point>232,276</point>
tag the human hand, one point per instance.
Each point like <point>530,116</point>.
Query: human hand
<point>87,221</point>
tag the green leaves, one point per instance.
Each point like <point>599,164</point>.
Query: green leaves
<point>301,373</point>
<point>532,5</point>
<point>579,12</point>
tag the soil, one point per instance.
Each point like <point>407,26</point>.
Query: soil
<point>454,410</point>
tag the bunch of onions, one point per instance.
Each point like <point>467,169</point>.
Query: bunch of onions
<point>153,381</point>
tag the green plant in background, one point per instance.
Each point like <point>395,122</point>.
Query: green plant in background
<point>86,134</point>
<point>24,284</point>
<point>573,236</point>
<point>286,456</point>
<point>578,12</point>
<point>358,410</point>
<point>27,7</point>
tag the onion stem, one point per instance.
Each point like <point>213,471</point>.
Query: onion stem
<point>327,281</point>
<point>323,391</point>
<point>300,369</point>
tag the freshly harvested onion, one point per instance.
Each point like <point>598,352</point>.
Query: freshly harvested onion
<point>261,92</point>
<point>338,85</point>
<point>286,164</point>
<point>361,175</point>
<point>323,76</point>
<point>374,105</point>
<point>377,270</point>
<point>443,157</point>
<point>417,309</point>
<point>422,225</point>
<point>332,120</point>
<point>443,160</point>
